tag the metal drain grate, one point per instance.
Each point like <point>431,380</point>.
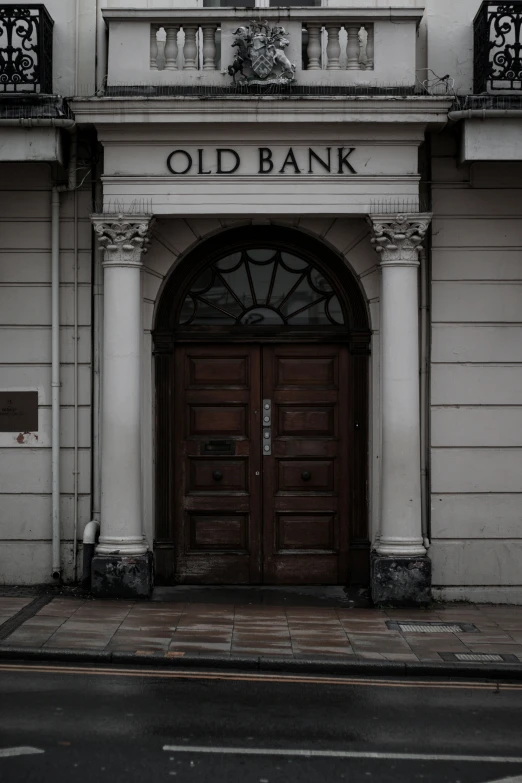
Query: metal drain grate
<point>418,627</point>
<point>480,657</point>
<point>410,628</point>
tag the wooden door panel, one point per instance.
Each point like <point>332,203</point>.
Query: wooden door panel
<point>305,478</point>
<point>217,456</point>
<point>213,475</point>
<point>229,420</point>
<point>305,371</point>
<point>210,532</point>
<point>306,420</point>
<point>305,475</point>
<point>306,531</point>
<point>217,371</point>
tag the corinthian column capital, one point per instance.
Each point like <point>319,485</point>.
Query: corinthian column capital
<point>123,238</point>
<point>397,238</point>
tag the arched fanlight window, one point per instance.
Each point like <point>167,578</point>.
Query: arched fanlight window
<point>263,287</point>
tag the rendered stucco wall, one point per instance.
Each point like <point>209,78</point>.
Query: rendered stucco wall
<point>476,374</point>
<point>25,364</point>
<point>450,41</point>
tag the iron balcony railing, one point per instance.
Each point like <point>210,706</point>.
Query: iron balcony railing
<point>497,59</point>
<point>26,49</point>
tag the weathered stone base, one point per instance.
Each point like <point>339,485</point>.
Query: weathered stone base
<point>115,576</point>
<point>400,581</point>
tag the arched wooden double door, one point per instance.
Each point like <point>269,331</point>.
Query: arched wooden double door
<point>261,346</point>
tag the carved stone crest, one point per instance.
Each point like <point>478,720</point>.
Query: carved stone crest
<point>260,57</point>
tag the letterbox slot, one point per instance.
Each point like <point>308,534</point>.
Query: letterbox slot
<point>218,447</point>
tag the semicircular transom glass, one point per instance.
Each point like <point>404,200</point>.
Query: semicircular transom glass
<point>262,287</point>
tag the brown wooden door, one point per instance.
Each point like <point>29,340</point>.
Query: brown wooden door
<point>305,478</point>
<point>216,458</point>
<point>245,517</point>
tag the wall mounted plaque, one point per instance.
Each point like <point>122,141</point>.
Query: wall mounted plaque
<point>19,411</point>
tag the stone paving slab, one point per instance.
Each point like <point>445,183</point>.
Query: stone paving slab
<point>184,629</point>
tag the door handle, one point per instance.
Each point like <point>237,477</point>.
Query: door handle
<point>267,428</point>
<point>217,475</point>
<point>306,475</point>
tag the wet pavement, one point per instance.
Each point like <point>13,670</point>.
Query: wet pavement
<point>292,630</point>
<point>64,723</point>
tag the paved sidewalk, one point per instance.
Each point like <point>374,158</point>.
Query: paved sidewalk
<point>177,629</point>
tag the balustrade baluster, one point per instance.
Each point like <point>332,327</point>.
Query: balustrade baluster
<point>353,48</point>
<point>209,47</point>
<point>171,48</point>
<point>333,49</point>
<point>154,47</point>
<point>314,47</point>
<point>190,50</point>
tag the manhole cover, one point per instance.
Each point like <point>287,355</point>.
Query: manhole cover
<point>417,627</point>
<point>480,657</point>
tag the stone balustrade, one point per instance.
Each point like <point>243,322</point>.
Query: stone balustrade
<point>190,47</point>
<point>328,46</point>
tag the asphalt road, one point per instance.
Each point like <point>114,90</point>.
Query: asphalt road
<point>85,724</point>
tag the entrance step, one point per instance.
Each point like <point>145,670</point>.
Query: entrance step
<point>348,597</point>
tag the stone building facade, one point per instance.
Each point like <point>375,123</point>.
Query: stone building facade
<point>261,301</point>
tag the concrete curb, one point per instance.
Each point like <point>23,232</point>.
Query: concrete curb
<point>316,665</point>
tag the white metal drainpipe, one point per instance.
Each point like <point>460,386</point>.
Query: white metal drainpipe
<point>55,350</point>
<point>55,378</point>
<point>483,114</point>
<point>424,394</point>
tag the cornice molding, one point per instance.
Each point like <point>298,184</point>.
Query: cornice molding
<point>326,14</point>
<point>420,110</point>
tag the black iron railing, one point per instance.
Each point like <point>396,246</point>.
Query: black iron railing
<point>26,49</point>
<point>498,47</point>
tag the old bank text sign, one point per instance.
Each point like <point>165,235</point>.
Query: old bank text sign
<point>205,161</point>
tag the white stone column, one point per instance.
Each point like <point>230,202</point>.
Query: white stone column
<point>397,239</point>
<point>123,239</point>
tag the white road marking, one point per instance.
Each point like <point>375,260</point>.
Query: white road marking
<point>342,754</point>
<point>7,752</point>
<point>518,779</point>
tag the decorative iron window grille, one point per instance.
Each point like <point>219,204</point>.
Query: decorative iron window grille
<point>497,60</point>
<point>261,287</point>
<point>26,49</point>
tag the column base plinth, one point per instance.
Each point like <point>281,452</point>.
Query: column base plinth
<point>122,576</point>
<point>400,581</point>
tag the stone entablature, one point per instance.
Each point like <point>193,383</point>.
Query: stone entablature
<point>195,46</point>
<point>336,169</point>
